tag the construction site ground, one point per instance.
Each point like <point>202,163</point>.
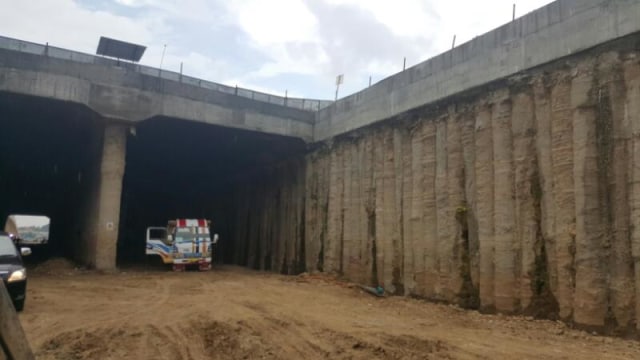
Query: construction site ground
<point>234,313</point>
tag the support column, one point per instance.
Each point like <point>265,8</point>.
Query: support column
<point>109,195</point>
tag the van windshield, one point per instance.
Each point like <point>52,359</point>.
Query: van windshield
<point>7,248</point>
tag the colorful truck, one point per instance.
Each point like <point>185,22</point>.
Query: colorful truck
<point>182,243</point>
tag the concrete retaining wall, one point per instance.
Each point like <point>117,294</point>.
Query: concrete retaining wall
<point>550,33</point>
<point>519,199</point>
<point>523,200</point>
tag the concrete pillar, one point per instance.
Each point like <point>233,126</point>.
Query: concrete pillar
<point>109,195</point>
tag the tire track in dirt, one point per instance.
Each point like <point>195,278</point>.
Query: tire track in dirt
<point>236,314</point>
<point>312,341</point>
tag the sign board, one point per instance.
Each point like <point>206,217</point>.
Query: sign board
<point>120,49</point>
<point>339,79</point>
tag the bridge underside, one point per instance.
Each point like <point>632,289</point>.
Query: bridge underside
<point>188,170</point>
<point>102,182</point>
<point>47,151</point>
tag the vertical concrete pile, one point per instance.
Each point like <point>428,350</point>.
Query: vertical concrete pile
<point>269,219</point>
<point>521,199</point>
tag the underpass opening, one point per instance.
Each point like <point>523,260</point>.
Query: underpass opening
<point>182,169</point>
<point>30,231</point>
<point>49,152</point>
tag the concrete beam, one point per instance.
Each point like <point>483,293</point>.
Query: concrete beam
<point>116,92</point>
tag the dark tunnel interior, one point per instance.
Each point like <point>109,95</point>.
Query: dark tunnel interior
<point>50,156</point>
<point>46,154</point>
<point>182,169</point>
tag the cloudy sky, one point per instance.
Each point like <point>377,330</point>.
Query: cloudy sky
<point>267,45</point>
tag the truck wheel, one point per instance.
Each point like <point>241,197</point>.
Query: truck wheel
<point>178,267</point>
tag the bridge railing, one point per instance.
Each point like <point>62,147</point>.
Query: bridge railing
<point>64,54</point>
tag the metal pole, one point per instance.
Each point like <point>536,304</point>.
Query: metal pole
<point>404,64</point>
<point>514,12</point>
<point>453,43</point>
<point>369,81</point>
<point>180,71</point>
<point>162,59</point>
<point>337,87</point>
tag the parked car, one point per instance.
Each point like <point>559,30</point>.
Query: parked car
<point>12,271</point>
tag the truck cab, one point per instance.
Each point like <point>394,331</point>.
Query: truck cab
<point>182,243</point>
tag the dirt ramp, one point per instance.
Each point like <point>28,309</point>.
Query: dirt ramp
<point>238,314</point>
<point>224,341</point>
<point>125,342</point>
<point>94,344</point>
<point>383,346</point>
<point>211,339</point>
<point>55,266</point>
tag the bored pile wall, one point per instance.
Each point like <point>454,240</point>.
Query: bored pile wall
<point>268,213</point>
<point>522,198</point>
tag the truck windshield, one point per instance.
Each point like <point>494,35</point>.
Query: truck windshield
<point>186,234</point>
<point>7,248</point>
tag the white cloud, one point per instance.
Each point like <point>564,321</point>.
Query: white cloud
<point>269,23</point>
<point>269,39</point>
<point>195,10</point>
<point>63,23</point>
<point>133,3</point>
<point>305,59</point>
<point>198,65</point>
<point>410,18</point>
<point>468,19</point>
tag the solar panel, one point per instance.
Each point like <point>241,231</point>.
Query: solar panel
<point>120,49</point>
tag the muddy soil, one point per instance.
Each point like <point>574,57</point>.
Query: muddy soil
<point>233,313</point>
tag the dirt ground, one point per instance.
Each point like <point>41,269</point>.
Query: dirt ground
<point>233,313</point>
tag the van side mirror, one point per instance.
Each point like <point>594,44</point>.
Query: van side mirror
<point>25,251</point>
<point>215,238</point>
